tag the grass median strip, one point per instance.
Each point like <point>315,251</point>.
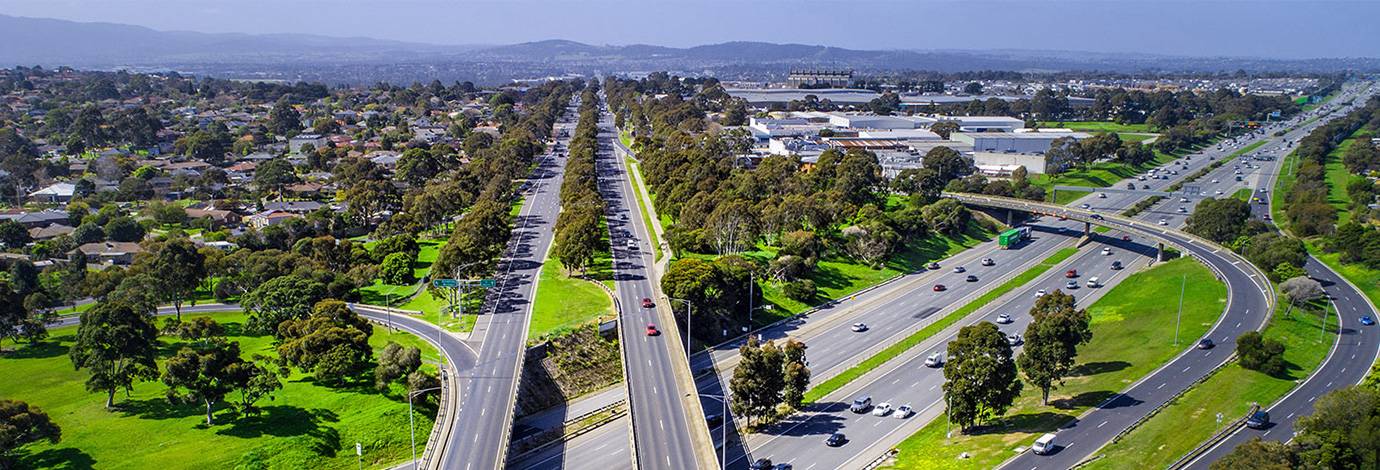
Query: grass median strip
<point>891,352</point>
<point>1133,335</point>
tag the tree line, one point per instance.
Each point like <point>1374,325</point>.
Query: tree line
<point>580,227</point>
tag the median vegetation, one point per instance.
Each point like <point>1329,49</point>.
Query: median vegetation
<point>1132,335</point>
<point>837,382</point>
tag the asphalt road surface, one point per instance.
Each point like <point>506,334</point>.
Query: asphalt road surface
<point>662,428</point>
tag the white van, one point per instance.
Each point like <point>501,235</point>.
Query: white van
<point>1044,445</point>
<point>1093,282</point>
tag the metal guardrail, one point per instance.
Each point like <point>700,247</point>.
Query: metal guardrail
<point>1212,442</point>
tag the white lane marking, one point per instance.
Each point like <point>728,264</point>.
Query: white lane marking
<point>1159,387</point>
<point>1104,423</point>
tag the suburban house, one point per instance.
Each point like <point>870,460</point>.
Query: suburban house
<point>269,218</point>
<point>54,193</point>
<point>121,253</point>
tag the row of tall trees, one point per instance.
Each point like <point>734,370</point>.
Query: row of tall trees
<point>1306,201</point>
<point>580,225</point>
<point>768,377</point>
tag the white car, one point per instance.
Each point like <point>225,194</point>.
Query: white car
<point>1014,339</point>
<point>988,262</point>
<point>903,412</point>
<point>859,327</point>
<point>882,409</point>
<point>1183,210</point>
<point>1219,192</point>
<point>959,269</point>
<point>1106,251</point>
<point>1215,181</point>
<point>1164,222</point>
<point>935,360</point>
<point>1183,199</point>
<point>1040,293</point>
<point>1004,319</point>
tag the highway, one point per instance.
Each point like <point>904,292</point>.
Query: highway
<point>660,418</point>
<point>479,437</point>
<point>1356,348</point>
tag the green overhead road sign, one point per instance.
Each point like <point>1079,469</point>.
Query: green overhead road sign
<point>487,283</point>
<point>445,283</point>
<point>456,283</point>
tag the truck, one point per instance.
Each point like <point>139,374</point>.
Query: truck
<point>1010,238</point>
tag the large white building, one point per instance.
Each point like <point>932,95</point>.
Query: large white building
<point>1013,142</point>
<point>1002,164</point>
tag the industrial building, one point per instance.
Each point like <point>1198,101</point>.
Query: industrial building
<point>819,78</point>
<point>1014,142</point>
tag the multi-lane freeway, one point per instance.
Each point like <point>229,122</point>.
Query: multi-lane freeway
<point>661,425</point>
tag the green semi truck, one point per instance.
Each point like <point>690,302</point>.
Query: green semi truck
<point>1010,238</point>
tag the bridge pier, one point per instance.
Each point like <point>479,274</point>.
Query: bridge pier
<point>1159,252</point>
<point>1087,229</point>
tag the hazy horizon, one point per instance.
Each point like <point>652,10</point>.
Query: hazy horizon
<point>1289,29</point>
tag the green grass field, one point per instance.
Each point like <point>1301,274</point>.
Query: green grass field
<point>383,294</point>
<point>1098,126</point>
<point>1132,336</point>
<point>565,302</point>
<point>305,426</point>
<point>1337,176</point>
<point>1192,418</point>
<point>891,352</point>
<point>1243,194</point>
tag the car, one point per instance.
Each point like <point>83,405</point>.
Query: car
<point>882,409</point>
<point>1367,320</point>
<point>632,243</point>
<point>1125,238</point>
<point>1085,206</point>
<point>1014,339</point>
<point>959,269</point>
<point>939,288</point>
<point>782,466</point>
<point>859,327</point>
<point>760,464</point>
<point>1096,216</point>
<point>903,412</point>
<point>1183,199</point>
<point>932,265</point>
<point>1102,195</point>
<point>1214,181</point>
<point>1044,445</point>
<point>988,262</point>
<point>1106,251</point>
<point>1094,282</point>
<point>935,360</point>
<point>835,440</point>
<point>1072,273</point>
<point>1004,319</point>
<point>714,420</point>
<point>1071,285</point>
<point>861,404</point>
<point>1164,221</point>
<point>647,302</point>
<point>970,278</point>
<point>1183,210</point>
<point>1116,265</point>
<point>651,330</point>
<point>1258,420</point>
<point>1218,192</point>
<point>1205,344</point>
<point>1040,293</point>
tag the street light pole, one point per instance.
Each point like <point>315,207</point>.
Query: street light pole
<point>723,429</point>
<point>411,425</point>
<point>1177,318</point>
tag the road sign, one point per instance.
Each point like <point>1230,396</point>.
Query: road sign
<point>487,283</point>
<point>445,283</point>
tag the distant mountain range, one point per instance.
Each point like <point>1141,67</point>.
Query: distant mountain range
<point>50,42</point>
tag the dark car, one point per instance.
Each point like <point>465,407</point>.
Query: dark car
<point>1205,344</point>
<point>939,288</point>
<point>1367,320</point>
<point>647,302</point>
<point>714,420</point>
<point>1258,420</point>
<point>835,440</point>
<point>1125,238</point>
<point>761,464</point>
<point>971,278</point>
<point>932,266</point>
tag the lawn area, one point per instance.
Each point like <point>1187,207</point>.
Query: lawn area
<point>1131,338</point>
<point>1243,194</point>
<point>1282,184</point>
<point>305,426</point>
<point>382,294</point>
<point>1098,126</point>
<point>565,302</point>
<point>1097,175</point>
<point>1337,176</point>
<point>836,382</point>
<point>625,137</point>
<point>1192,418</point>
<point>838,277</point>
<point>630,166</point>
<point>1133,137</point>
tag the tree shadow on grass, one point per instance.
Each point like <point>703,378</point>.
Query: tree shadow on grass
<point>1044,421</point>
<point>43,350</point>
<point>158,408</point>
<point>65,458</point>
<point>289,421</point>
<point>1083,400</point>
<point>1094,368</point>
<point>826,277</point>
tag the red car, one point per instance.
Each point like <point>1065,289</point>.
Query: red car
<point>939,288</point>
<point>1071,274</point>
<point>1125,238</point>
<point>647,303</point>
<point>651,330</point>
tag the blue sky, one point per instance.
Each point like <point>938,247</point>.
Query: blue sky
<point>1274,28</point>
